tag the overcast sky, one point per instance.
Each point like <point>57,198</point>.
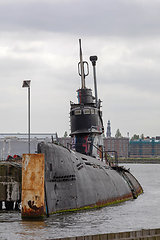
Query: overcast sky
<point>39,41</point>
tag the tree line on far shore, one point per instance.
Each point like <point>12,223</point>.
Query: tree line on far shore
<point>118,135</point>
<point>134,137</point>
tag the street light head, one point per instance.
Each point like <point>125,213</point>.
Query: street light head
<point>26,83</point>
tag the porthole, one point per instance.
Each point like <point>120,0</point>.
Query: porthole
<point>86,111</point>
<point>78,112</point>
<point>92,111</point>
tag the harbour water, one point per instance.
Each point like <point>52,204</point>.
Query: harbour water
<point>137,214</point>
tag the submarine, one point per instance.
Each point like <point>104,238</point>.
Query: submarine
<point>80,176</point>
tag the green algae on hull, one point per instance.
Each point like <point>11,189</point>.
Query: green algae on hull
<point>91,207</point>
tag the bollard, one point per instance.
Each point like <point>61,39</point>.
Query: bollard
<point>33,203</point>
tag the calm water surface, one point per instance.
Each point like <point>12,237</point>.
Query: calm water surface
<point>144,212</point>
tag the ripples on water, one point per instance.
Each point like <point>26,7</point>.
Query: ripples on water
<point>144,212</point>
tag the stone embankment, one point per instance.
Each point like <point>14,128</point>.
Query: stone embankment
<point>10,184</point>
<point>139,160</point>
<point>144,234</point>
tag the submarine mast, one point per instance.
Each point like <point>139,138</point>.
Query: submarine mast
<point>81,63</point>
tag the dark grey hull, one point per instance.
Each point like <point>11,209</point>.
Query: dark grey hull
<point>74,180</point>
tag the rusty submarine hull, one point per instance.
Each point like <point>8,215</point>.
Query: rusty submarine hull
<point>80,176</point>
<point>76,181</point>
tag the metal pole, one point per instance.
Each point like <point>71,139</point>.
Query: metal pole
<point>95,85</point>
<point>26,83</point>
<point>82,66</point>
<point>29,119</point>
<point>93,59</point>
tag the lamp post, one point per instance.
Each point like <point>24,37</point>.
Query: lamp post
<point>26,83</point>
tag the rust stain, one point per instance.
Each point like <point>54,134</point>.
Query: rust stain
<point>33,185</point>
<point>32,206</point>
<point>125,197</point>
<point>29,213</point>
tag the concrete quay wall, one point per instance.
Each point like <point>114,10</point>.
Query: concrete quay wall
<point>144,234</point>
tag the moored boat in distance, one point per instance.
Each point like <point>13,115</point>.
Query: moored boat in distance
<point>80,177</point>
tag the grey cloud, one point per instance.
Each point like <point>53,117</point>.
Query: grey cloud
<point>40,41</point>
<point>90,17</point>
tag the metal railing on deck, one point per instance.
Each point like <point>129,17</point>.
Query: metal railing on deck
<point>103,152</point>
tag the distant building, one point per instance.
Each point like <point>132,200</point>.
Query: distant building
<point>120,145</point>
<point>108,133</point>
<point>149,147</point>
<point>17,144</point>
<point>65,141</point>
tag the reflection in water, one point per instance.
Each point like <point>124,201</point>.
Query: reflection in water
<point>144,212</point>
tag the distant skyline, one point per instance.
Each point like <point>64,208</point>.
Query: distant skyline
<point>39,41</point>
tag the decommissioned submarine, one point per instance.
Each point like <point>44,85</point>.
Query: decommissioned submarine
<point>80,177</point>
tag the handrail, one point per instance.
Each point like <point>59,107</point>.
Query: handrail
<point>116,157</point>
<point>102,151</point>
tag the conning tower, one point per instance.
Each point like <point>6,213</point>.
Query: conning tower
<point>86,116</point>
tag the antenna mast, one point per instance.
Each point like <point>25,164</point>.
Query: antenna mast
<point>93,59</point>
<point>82,66</point>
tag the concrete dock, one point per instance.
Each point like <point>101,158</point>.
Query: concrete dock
<point>10,185</point>
<point>144,234</point>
